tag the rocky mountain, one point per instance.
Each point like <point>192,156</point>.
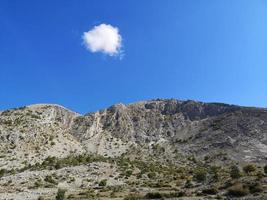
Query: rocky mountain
<point>167,131</point>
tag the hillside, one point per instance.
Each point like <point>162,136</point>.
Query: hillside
<point>142,148</point>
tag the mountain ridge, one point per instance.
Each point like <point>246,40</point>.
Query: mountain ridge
<point>132,103</point>
<point>146,122</point>
<point>146,142</point>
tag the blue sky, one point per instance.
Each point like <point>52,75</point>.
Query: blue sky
<point>208,50</point>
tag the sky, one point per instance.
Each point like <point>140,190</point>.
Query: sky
<point>88,55</point>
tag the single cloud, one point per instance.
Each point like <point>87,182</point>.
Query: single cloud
<point>104,38</point>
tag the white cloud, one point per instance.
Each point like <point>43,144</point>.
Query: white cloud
<point>103,38</point>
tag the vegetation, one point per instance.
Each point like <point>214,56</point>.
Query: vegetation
<point>165,178</point>
<point>2,172</point>
<point>255,187</point>
<point>265,169</point>
<point>60,194</point>
<point>50,179</point>
<point>103,183</point>
<point>235,172</point>
<point>200,174</point>
<point>238,190</point>
<point>250,168</point>
<point>153,195</point>
<point>57,163</point>
<point>132,197</point>
<point>41,198</point>
<point>211,191</point>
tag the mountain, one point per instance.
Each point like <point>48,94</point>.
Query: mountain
<point>48,139</point>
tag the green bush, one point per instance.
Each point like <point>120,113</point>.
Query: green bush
<point>129,173</point>
<point>265,169</point>
<point>214,171</point>
<point>151,175</point>
<point>235,172</point>
<point>200,175</point>
<point>103,183</point>
<point>132,197</point>
<point>188,184</point>
<point>174,194</point>
<point>50,179</point>
<point>41,198</point>
<point>89,193</point>
<point>60,194</point>
<point>211,191</point>
<point>2,172</point>
<point>38,183</point>
<point>248,169</point>
<point>153,195</point>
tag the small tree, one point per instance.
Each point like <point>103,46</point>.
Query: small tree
<point>235,172</point>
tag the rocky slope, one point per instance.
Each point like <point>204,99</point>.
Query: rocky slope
<point>189,127</point>
<point>179,133</point>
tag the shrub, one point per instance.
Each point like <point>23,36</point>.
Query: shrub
<point>2,172</point>
<point>129,173</point>
<point>151,175</point>
<point>88,193</point>
<point>200,175</point>
<point>206,157</point>
<point>175,194</point>
<point>50,179</point>
<point>235,172</point>
<point>211,191</point>
<point>249,168</point>
<point>265,169</point>
<point>214,170</point>
<point>256,187</point>
<point>188,184</point>
<point>132,197</point>
<point>260,175</point>
<point>153,195</point>
<point>60,194</point>
<point>103,182</point>
<point>38,183</point>
<point>41,198</point>
<point>238,190</point>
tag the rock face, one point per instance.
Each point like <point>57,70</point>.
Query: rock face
<point>189,127</point>
<point>32,133</point>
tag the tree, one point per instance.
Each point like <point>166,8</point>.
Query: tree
<point>235,172</point>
